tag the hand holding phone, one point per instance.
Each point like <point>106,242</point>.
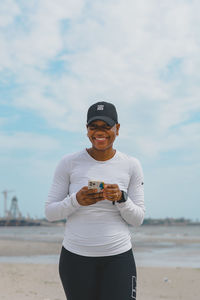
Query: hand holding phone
<point>91,194</point>
<point>94,184</point>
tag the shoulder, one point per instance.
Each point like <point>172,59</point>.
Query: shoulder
<point>132,161</point>
<point>67,159</point>
<point>73,156</point>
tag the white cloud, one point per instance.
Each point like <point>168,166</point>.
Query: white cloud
<point>27,141</point>
<point>8,11</point>
<point>141,55</point>
<point>49,108</point>
<point>183,139</point>
<point>40,37</point>
<point>113,50</point>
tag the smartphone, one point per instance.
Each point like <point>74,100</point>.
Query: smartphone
<point>93,184</point>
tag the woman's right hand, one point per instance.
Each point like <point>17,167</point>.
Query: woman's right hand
<point>89,196</point>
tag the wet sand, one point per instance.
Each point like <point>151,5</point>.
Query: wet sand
<point>20,281</point>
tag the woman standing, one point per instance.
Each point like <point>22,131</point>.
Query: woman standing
<point>96,261</point>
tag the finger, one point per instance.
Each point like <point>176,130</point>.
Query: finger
<point>84,188</point>
<point>92,191</point>
<point>90,201</point>
<point>99,196</point>
<point>113,196</point>
<point>111,191</point>
<point>111,186</point>
<point>95,195</point>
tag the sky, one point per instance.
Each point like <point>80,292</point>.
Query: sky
<point>59,57</point>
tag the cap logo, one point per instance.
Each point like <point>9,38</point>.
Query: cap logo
<point>100,107</point>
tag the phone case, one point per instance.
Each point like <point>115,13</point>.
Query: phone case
<point>93,184</point>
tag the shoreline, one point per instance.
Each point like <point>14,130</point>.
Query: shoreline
<point>153,254</point>
<point>27,274</point>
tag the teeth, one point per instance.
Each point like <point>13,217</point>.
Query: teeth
<point>100,139</point>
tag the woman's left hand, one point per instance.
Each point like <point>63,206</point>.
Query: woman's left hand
<point>112,192</point>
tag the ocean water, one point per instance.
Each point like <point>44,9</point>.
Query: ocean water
<point>169,246</point>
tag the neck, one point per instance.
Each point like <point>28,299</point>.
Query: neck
<point>101,154</point>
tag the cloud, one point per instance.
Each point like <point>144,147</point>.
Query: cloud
<point>58,57</point>
<point>184,139</point>
<point>9,10</point>
<point>27,141</point>
<point>140,55</point>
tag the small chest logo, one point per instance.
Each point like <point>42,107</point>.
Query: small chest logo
<point>100,107</point>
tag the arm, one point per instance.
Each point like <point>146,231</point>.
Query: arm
<point>132,211</point>
<point>59,204</point>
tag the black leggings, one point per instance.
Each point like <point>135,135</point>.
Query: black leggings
<point>98,278</point>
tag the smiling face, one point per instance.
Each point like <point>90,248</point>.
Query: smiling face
<point>101,135</point>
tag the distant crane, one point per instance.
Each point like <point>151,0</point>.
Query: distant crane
<point>5,193</point>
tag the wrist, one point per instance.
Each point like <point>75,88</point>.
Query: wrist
<point>120,196</point>
<point>123,198</point>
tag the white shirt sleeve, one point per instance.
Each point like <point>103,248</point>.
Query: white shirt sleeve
<point>132,211</point>
<point>59,204</point>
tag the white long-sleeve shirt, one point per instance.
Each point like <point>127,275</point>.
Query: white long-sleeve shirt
<point>100,229</point>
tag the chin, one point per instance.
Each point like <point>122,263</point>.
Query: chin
<point>101,148</point>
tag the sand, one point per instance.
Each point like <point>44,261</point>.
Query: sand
<point>20,281</point>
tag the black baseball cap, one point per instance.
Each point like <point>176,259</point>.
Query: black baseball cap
<point>103,111</point>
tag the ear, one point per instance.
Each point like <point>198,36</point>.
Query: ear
<point>117,128</point>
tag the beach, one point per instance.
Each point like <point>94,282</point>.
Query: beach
<point>29,270</point>
<point>41,281</point>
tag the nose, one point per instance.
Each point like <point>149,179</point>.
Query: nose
<point>100,130</point>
